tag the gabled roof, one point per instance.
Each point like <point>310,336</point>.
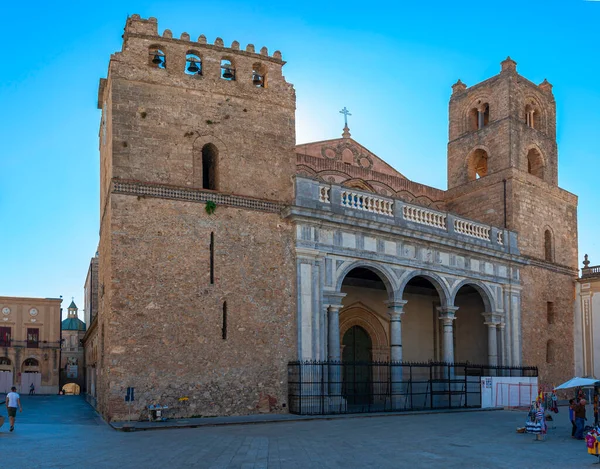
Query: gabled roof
<point>72,305</point>
<point>349,151</point>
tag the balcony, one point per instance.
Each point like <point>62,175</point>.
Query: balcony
<point>590,272</point>
<point>29,344</point>
<point>352,203</point>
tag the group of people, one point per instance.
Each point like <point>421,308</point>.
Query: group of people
<point>577,416</point>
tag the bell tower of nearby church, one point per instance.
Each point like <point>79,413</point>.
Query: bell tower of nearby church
<point>503,170</point>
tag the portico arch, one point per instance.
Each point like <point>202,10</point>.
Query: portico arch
<point>437,281</point>
<point>386,275</point>
<point>486,295</point>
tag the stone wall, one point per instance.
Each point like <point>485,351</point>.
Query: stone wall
<point>165,331</point>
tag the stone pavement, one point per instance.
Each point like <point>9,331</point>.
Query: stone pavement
<point>64,432</point>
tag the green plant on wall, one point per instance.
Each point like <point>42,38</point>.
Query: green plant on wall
<point>210,207</point>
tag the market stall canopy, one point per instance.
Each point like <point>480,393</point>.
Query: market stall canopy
<point>577,383</point>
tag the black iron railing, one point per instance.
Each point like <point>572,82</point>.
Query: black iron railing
<point>324,387</point>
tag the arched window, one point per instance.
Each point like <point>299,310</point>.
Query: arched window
<point>31,362</point>
<point>4,361</point>
<point>548,246</point>
<point>531,116</point>
<point>227,70</point>
<point>478,164</point>
<point>535,163</point>
<point>473,119</point>
<point>259,75</point>
<point>156,57</point>
<point>209,166</point>
<point>193,63</point>
<point>550,352</point>
<point>479,116</point>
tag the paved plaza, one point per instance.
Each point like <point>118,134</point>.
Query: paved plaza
<point>65,432</point>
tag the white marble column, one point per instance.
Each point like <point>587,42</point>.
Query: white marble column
<point>492,321</point>
<point>334,302</point>
<point>447,316</point>
<point>333,346</point>
<point>501,335</point>
<point>395,310</point>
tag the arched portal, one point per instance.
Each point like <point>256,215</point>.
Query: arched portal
<point>470,331</point>
<point>356,359</point>
<point>421,330</point>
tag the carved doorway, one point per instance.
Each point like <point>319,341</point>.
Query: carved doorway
<point>356,358</point>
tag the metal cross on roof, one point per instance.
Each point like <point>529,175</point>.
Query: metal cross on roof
<point>346,114</point>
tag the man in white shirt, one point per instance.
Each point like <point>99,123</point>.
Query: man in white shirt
<point>13,400</point>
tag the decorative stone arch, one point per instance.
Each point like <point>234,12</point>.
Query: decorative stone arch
<point>228,66</point>
<point>358,314</point>
<point>540,118</point>
<point>535,161</point>
<point>306,171</point>
<point>359,184</point>
<point>382,188</point>
<point>477,162</point>
<point>333,176</point>
<point>220,156</point>
<point>385,274</point>
<point>436,280</point>
<point>470,116</point>
<point>484,291</point>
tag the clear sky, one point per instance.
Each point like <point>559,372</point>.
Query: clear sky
<point>391,63</point>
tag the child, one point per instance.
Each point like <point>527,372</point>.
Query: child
<point>572,417</point>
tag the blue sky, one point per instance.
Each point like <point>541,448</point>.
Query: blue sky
<point>391,63</point>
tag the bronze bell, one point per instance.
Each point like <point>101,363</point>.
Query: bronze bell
<point>157,60</point>
<point>227,73</point>
<point>257,80</point>
<point>193,67</point>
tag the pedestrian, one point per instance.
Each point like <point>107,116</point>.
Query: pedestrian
<point>580,418</point>
<point>13,400</point>
<point>31,389</point>
<point>572,417</point>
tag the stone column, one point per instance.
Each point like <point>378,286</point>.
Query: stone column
<point>480,119</point>
<point>502,356</point>
<point>395,310</point>
<point>447,316</point>
<point>333,343</point>
<point>492,321</point>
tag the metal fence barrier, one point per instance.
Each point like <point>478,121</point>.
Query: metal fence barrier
<point>326,387</point>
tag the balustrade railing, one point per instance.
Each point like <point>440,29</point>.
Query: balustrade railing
<point>424,216</point>
<point>593,271</point>
<point>324,193</point>
<point>374,203</point>
<point>472,229</point>
<point>368,203</point>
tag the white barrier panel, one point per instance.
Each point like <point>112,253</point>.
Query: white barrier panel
<point>508,391</point>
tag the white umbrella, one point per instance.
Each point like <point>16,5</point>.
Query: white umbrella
<point>577,383</point>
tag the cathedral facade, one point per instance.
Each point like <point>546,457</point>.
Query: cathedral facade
<point>227,250</point>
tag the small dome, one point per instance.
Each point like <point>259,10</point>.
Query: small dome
<point>73,324</point>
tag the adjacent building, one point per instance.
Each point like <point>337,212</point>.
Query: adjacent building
<point>30,344</point>
<point>72,353</point>
<point>90,339</point>
<point>587,321</point>
<point>227,250</point>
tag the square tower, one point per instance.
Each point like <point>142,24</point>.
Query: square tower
<point>196,280</point>
<point>503,170</point>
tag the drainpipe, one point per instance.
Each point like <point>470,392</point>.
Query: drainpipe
<point>505,223</point>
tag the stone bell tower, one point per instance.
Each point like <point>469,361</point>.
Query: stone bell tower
<point>196,283</point>
<point>503,170</point>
